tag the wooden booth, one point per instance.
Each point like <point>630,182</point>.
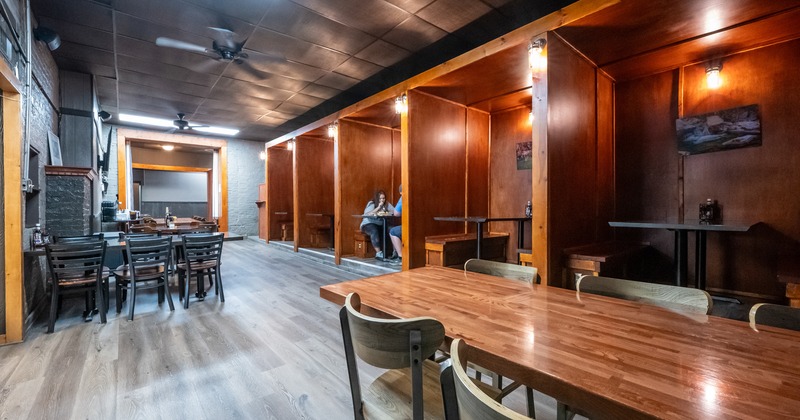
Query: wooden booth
<point>313,190</point>
<point>279,186</point>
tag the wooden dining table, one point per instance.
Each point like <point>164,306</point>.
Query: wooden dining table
<point>610,358</point>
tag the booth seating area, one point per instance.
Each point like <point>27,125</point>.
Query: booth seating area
<point>361,245</point>
<point>455,249</point>
<point>604,258</point>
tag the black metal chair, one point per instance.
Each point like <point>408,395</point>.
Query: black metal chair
<point>200,255</point>
<point>77,268</point>
<point>147,267</point>
<point>79,238</point>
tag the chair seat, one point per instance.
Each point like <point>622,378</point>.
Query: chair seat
<point>68,281</point>
<point>389,396</point>
<point>142,274</point>
<point>203,265</point>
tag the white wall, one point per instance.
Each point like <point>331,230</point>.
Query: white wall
<point>175,186</point>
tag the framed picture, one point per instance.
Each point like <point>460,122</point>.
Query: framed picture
<point>524,151</point>
<point>722,130</point>
<point>55,149</point>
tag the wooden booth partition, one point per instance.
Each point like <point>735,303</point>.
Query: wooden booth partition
<point>313,191</point>
<point>434,168</point>
<point>280,193</point>
<point>366,162</point>
<point>510,180</point>
<point>577,158</point>
<point>752,184</point>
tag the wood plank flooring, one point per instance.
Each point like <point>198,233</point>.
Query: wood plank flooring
<point>273,350</point>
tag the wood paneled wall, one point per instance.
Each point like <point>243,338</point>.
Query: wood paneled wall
<point>367,162</point>
<point>578,192</point>
<point>313,186</point>
<point>477,158</point>
<point>510,187</point>
<point>757,184</point>
<point>279,189</point>
<point>435,168</point>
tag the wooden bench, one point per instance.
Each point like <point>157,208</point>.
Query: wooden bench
<point>363,245</point>
<point>525,257</point>
<point>789,273</point>
<point>287,231</point>
<point>605,258</point>
<point>319,236</point>
<point>454,249</point>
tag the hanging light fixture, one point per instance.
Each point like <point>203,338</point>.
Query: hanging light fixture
<point>713,77</point>
<point>401,104</point>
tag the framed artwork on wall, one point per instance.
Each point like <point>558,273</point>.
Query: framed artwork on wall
<point>524,151</point>
<point>55,149</point>
<point>721,130</point>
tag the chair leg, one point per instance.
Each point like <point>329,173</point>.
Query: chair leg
<point>103,295</point>
<point>54,301</point>
<point>168,294</point>
<point>352,367</point>
<point>219,285</point>
<point>530,402</point>
<point>118,294</point>
<point>181,279</point>
<point>186,290</point>
<point>132,302</point>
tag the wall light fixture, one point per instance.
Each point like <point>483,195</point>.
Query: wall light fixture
<point>713,77</point>
<point>536,54</point>
<point>333,128</point>
<point>401,104</point>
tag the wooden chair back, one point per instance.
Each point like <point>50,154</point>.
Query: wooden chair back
<point>473,403</point>
<point>684,299</point>
<point>148,258</point>
<point>500,269</point>
<point>775,316</point>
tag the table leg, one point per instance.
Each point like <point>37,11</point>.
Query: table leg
<point>383,238</point>
<point>681,265</point>
<point>520,237</point>
<point>479,237</point>
<point>333,242</point>
<point>700,259</point>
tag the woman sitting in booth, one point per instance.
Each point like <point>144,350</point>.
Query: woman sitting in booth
<point>372,224</point>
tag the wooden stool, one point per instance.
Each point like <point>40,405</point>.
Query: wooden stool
<point>525,257</point>
<point>362,245</point>
<point>287,231</point>
<point>600,259</point>
<point>455,249</point>
<point>317,235</point>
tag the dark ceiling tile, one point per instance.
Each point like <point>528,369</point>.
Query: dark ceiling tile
<point>337,81</point>
<point>383,53</point>
<point>131,90</point>
<point>278,114</point>
<point>451,15</point>
<point>232,98</point>
<point>260,133</point>
<point>226,86</point>
<point>299,22</point>
<point>165,70</point>
<point>411,6</point>
<point>226,105</point>
<point>200,63</point>
<point>162,84</point>
<point>237,117</point>
<point>293,49</point>
<point>320,91</point>
<point>289,69</point>
<point>272,120</point>
<point>497,3</point>
<point>375,17</point>
<point>290,108</point>
<point>247,10</point>
<point>82,12</point>
<point>414,34</point>
<point>68,50</point>
<point>80,34</point>
<point>262,78</point>
<point>82,66</point>
<point>183,16</point>
<point>305,100</point>
<point>358,69</point>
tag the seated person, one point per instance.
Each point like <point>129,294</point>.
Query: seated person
<point>396,233</point>
<point>373,225</point>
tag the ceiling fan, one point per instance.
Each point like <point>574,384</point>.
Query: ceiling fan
<point>224,47</point>
<point>181,123</point>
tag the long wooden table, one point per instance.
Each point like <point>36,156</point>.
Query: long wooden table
<point>612,358</point>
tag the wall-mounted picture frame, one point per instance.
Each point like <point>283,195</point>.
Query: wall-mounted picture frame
<point>55,149</point>
<point>727,129</point>
<point>524,153</point>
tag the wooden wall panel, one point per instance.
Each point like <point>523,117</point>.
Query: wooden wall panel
<point>263,220</point>
<point>605,156</point>
<point>751,184</point>
<point>313,186</point>
<point>280,194</point>
<point>571,154</point>
<point>510,187</point>
<point>366,165</point>
<point>477,161</point>
<point>435,172</point>
<point>397,171</point>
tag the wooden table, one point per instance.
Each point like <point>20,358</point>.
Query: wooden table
<point>479,221</point>
<point>612,358</point>
<point>681,242</point>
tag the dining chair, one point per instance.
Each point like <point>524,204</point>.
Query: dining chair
<point>147,267</point>
<point>683,299</point>
<point>79,238</point>
<point>77,268</point>
<point>401,345</point>
<point>526,274</point>
<point>200,255</point>
<point>471,402</point>
<point>775,316</point>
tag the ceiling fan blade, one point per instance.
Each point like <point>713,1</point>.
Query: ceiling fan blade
<point>181,45</point>
<point>244,65</point>
<point>226,38</point>
<point>197,126</point>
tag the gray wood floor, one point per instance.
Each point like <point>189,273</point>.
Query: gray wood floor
<point>272,350</point>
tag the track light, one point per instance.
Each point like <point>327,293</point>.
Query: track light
<point>104,116</point>
<point>48,36</point>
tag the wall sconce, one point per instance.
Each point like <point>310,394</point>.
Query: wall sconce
<point>401,104</point>
<point>48,36</point>
<point>262,155</point>
<point>167,147</point>
<point>333,128</point>
<point>713,77</point>
<point>536,55</point>
<point>290,144</point>
<point>530,117</point>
